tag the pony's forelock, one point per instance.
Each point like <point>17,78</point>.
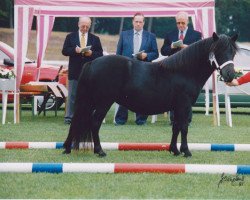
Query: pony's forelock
<point>223,43</point>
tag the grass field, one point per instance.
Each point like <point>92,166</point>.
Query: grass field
<point>120,186</point>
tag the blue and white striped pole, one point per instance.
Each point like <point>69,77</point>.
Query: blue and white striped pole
<point>122,168</point>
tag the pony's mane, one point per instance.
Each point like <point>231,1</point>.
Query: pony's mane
<point>196,51</point>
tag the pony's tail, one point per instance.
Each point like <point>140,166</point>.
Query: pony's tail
<point>80,128</point>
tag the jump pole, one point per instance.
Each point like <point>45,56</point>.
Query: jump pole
<point>122,168</point>
<point>129,146</point>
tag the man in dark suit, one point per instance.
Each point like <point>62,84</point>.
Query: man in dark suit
<point>187,35</point>
<point>131,42</point>
<point>73,45</point>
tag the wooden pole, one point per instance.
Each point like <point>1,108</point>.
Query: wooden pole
<point>216,121</point>
<point>121,25</point>
<point>16,108</point>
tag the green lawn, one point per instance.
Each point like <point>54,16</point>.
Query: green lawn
<point>120,186</point>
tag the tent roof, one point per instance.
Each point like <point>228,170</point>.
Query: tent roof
<point>114,8</point>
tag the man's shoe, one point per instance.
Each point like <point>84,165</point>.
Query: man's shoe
<point>119,123</point>
<point>68,122</point>
<point>140,123</point>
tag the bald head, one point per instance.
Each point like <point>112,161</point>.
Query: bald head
<point>84,24</point>
<point>182,15</point>
<point>85,19</point>
<point>182,20</point>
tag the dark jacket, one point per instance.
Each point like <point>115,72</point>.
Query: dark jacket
<point>125,45</point>
<point>76,60</point>
<point>190,37</point>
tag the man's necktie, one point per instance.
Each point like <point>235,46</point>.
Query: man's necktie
<point>181,36</point>
<point>136,42</point>
<point>82,42</point>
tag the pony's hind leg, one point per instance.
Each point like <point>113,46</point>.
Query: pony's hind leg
<point>67,144</point>
<point>173,144</point>
<point>80,128</point>
<point>97,119</point>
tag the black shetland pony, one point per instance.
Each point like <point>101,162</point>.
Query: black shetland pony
<point>148,88</point>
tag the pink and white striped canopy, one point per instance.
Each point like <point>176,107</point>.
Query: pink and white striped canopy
<point>201,11</point>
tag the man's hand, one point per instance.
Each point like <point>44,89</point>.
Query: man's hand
<point>78,49</point>
<point>88,53</point>
<point>142,56</point>
<point>233,83</point>
<point>184,46</point>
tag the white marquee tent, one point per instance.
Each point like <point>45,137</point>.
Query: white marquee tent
<point>201,11</point>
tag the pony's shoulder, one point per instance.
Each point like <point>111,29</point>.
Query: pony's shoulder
<point>119,57</point>
<point>162,61</point>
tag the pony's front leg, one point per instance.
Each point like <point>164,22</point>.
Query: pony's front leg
<point>184,146</point>
<point>173,144</point>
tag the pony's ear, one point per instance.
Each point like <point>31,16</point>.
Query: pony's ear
<point>234,37</point>
<point>215,36</point>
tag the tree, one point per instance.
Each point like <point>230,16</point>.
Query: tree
<point>232,17</point>
<point>6,13</point>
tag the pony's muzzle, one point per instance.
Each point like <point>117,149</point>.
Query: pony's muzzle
<point>228,73</point>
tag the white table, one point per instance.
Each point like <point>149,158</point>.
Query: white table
<point>228,91</point>
<point>41,89</point>
<point>6,86</point>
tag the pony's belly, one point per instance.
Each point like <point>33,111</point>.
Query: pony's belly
<point>146,107</point>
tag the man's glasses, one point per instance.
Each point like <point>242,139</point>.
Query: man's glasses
<point>83,26</point>
<point>182,23</point>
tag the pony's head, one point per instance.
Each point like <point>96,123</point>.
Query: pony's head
<point>221,55</point>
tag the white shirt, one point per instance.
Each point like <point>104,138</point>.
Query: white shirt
<point>140,36</point>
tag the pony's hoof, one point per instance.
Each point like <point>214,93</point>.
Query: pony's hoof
<point>186,152</point>
<point>101,154</point>
<point>175,151</point>
<point>66,151</point>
